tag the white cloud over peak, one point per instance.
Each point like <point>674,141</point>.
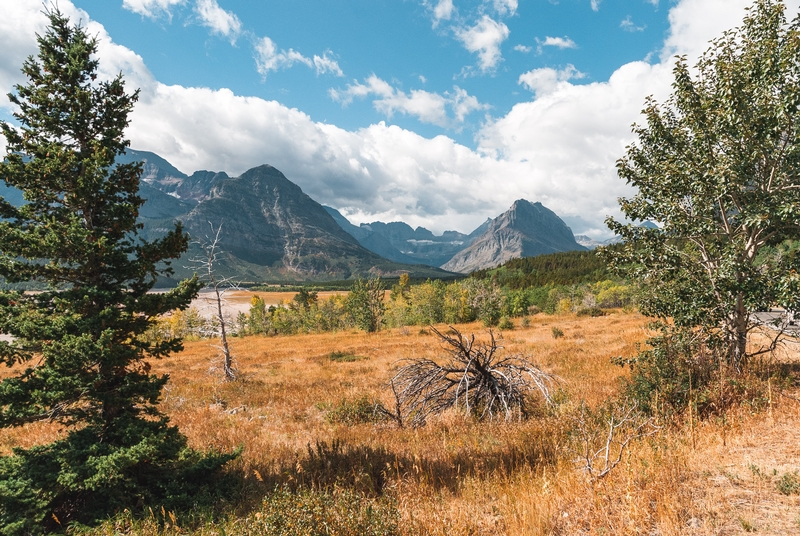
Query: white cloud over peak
<point>484,38</point>
<point>547,80</point>
<point>151,8</point>
<point>426,106</point>
<point>218,20</point>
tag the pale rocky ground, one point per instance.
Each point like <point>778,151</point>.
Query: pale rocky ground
<point>236,301</point>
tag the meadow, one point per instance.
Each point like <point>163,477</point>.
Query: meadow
<point>317,458</point>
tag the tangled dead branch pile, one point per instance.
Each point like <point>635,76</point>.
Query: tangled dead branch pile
<point>476,378</point>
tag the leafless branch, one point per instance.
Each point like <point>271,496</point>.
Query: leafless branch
<point>475,378</point>
<point>601,447</point>
<point>219,286</point>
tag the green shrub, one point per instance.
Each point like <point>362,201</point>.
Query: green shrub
<point>590,311</point>
<point>362,410</point>
<point>557,332</point>
<point>343,357</point>
<point>505,323</point>
<point>282,512</point>
<point>789,484</point>
<point>682,366</point>
<point>312,513</point>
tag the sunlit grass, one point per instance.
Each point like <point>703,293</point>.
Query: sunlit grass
<point>456,475</point>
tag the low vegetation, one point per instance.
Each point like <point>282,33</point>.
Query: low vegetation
<point>316,448</point>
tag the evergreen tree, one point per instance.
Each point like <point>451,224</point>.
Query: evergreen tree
<point>78,355</point>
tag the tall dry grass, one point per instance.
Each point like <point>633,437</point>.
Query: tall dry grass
<point>458,476</point>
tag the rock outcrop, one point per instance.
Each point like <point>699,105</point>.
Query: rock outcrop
<point>525,230</point>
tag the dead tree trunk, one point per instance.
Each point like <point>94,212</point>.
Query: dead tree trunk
<point>219,285</point>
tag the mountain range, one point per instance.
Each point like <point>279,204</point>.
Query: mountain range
<point>272,231</point>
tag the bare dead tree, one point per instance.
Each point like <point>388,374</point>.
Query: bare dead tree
<point>602,444</point>
<point>476,378</point>
<point>219,286</point>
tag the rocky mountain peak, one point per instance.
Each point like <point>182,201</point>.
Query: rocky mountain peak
<point>524,230</point>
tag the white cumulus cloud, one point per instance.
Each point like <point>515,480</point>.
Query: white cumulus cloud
<point>426,106</point>
<point>557,42</point>
<point>443,10</point>
<point>325,64</point>
<point>269,58</point>
<point>151,8</point>
<point>548,80</point>
<point>522,48</point>
<point>484,38</point>
<point>506,7</point>
<point>218,20</point>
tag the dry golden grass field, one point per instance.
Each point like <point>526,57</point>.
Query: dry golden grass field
<point>457,476</point>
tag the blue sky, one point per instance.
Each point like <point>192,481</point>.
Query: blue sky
<point>438,113</point>
<point>401,42</point>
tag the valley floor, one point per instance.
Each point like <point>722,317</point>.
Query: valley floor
<point>455,476</point>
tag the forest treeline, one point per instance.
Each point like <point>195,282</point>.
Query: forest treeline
<point>555,269</point>
<point>575,282</point>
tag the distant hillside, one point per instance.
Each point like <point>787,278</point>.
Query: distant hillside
<point>567,268</point>
<point>400,242</point>
<point>525,230</point>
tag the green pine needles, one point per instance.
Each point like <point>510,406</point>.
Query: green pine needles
<point>81,360</point>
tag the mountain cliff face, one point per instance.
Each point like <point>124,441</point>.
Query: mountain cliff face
<point>399,242</point>
<point>163,176</point>
<point>271,230</point>
<point>525,230</point>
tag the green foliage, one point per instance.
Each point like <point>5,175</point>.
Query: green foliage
<point>320,316</point>
<point>282,512</point>
<point>77,236</point>
<point>343,357</point>
<point>557,332</point>
<point>362,410</point>
<point>554,269</point>
<point>365,304</point>
<point>681,367</point>
<point>789,483</point>
<point>663,373</point>
<point>505,323</point>
<point>304,299</point>
<point>717,165</point>
<point>590,311</point>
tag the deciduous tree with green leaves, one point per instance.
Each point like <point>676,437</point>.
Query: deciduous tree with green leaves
<point>77,349</point>
<point>718,166</point>
<point>366,304</point>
